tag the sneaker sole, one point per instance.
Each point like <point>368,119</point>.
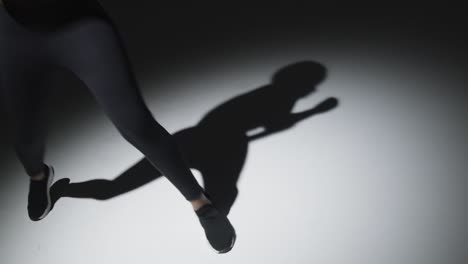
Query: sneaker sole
<point>226,249</point>
<point>230,247</point>
<point>49,184</point>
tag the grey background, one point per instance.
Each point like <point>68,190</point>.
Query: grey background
<point>380,179</point>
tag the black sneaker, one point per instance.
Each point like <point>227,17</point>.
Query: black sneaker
<point>39,202</point>
<point>218,230</point>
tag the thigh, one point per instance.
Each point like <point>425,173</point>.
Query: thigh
<point>23,63</point>
<point>23,97</point>
<point>93,50</point>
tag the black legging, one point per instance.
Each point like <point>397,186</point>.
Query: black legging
<point>93,50</point>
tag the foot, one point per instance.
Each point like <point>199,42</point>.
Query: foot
<point>39,201</point>
<point>218,230</point>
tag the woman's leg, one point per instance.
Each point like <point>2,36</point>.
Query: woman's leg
<point>93,50</point>
<point>23,100</point>
<point>22,95</point>
<point>24,106</point>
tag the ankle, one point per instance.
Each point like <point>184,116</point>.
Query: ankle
<point>40,176</point>
<point>199,202</point>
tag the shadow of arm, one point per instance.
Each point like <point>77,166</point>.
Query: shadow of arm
<point>290,120</point>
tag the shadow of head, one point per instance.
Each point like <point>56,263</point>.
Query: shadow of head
<point>299,79</point>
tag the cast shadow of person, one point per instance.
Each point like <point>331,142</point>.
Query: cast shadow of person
<point>217,146</point>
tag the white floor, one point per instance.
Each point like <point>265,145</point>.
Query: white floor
<point>381,179</point>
